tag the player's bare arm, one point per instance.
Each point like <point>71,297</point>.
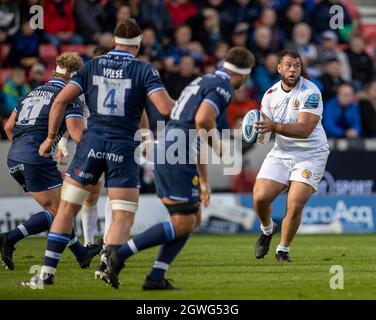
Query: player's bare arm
<point>144,121</point>
<point>162,101</point>
<point>75,128</point>
<point>301,129</point>
<point>205,190</point>
<point>9,125</point>
<point>66,96</point>
<point>205,120</point>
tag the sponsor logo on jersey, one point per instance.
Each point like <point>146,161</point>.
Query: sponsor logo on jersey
<point>105,155</point>
<point>307,174</point>
<point>155,73</point>
<point>312,101</point>
<point>16,168</point>
<point>271,90</point>
<point>195,193</point>
<point>82,174</point>
<point>224,93</point>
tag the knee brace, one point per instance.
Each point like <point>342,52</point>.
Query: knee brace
<point>73,194</point>
<point>182,208</point>
<point>124,205</point>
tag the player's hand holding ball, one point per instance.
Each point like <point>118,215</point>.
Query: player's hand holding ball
<point>265,125</point>
<point>256,127</point>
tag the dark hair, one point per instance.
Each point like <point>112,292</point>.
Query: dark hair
<point>295,55</point>
<point>18,68</point>
<point>331,60</point>
<point>346,84</point>
<point>370,83</point>
<point>101,50</point>
<point>128,29</point>
<point>240,57</point>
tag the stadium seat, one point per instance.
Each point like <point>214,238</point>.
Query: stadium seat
<point>4,52</point>
<point>370,50</point>
<point>4,74</point>
<point>342,46</point>
<point>48,53</point>
<point>369,33</point>
<point>48,74</point>
<point>73,47</point>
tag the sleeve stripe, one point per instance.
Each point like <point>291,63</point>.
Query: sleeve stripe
<point>155,90</point>
<point>213,104</point>
<point>74,116</point>
<point>77,84</point>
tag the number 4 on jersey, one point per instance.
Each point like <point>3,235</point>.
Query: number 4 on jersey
<point>109,101</point>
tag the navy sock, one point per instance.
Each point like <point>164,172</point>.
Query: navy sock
<point>156,235</point>
<point>76,247</point>
<point>166,255</point>
<point>37,223</point>
<point>56,244</point>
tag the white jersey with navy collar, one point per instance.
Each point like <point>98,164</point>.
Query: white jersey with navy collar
<point>284,107</point>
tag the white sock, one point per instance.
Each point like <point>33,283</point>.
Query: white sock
<point>103,258</point>
<point>268,230</point>
<point>107,216</point>
<point>46,270</point>
<point>283,249</point>
<point>89,217</point>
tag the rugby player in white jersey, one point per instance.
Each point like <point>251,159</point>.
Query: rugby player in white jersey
<point>292,108</point>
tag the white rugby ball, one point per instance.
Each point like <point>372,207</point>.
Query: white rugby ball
<point>249,132</point>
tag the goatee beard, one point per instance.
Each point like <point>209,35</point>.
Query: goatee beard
<point>290,83</point>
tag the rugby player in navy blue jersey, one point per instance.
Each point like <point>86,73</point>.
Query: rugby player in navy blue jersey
<point>181,186</point>
<point>89,212</point>
<point>27,127</point>
<point>116,86</point>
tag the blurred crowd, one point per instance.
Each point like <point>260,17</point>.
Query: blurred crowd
<point>186,38</point>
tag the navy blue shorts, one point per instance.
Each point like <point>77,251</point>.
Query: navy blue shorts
<point>177,182</point>
<point>116,159</point>
<point>35,177</point>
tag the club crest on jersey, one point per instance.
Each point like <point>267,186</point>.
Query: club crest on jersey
<point>195,181</point>
<point>307,174</point>
<point>296,104</point>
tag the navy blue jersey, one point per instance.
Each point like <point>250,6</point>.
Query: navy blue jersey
<point>115,86</point>
<point>31,127</point>
<point>179,180</point>
<point>214,88</point>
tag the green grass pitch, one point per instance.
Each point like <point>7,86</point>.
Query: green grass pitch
<point>214,267</point>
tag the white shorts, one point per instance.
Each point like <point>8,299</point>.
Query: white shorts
<point>308,170</point>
